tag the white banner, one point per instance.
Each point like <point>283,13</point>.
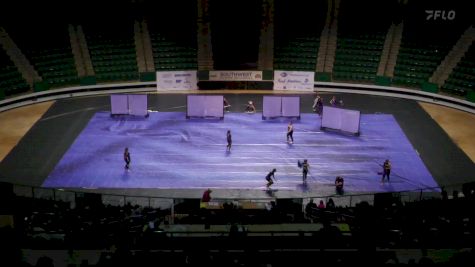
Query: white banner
<point>293,80</point>
<point>235,75</point>
<point>177,80</point>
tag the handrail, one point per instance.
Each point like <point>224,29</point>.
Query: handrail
<point>54,191</point>
<point>75,91</point>
<point>399,92</point>
<point>109,88</point>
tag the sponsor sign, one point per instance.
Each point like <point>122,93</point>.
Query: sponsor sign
<point>293,80</point>
<point>235,75</point>
<point>177,80</point>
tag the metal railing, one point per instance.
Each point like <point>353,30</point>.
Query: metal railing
<point>164,203</point>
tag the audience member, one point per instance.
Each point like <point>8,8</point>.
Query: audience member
<point>339,181</point>
<point>321,205</point>
<point>310,208</point>
<point>330,204</point>
<point>206,196</point>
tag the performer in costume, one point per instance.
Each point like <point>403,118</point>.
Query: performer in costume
<point>269,177</point>
<point>290,133</point>
<point>318,105</point>
<point>333,101</point>
<point>305,169</point>
<point>226,104</point>
<point>250,108</point>
<point>229,139</point>
<point>386,170</point>
<point>127,158</point>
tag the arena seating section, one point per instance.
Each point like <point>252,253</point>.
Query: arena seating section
<point>296,41</point>
<point>112,50</point>
<point>461,80</point>
<point>169,55</point>
<point>360,40</point>
<point>235,40</point>
<point>388,225</point>
<point>424,45</point>
<point>48,48</point>
<point>11,81</point>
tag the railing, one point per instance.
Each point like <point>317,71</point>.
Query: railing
<point>405,93</point>
<point>104,89</point>
<point>75,91</point>
<point>164,203</point>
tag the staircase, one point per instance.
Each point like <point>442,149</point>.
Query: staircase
<point>143,47</point>
<point>328,39</point>
<point>442,73</point>
<point>322,51</point>
<point>19,59</point>
<point>266,44</point>
<point>205,50</point>
<point>139,48</point>
<point>395,44</point>
<point>76,49</point>
<point>332,38</point>
<point>147,47</point>
<point>385,53</point>
<point>85,55</point>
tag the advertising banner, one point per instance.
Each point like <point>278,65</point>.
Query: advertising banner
<point>293,80</point>
<point>177,80</point>
<point>235,75</point>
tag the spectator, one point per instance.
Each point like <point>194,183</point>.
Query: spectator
<point>206,196</point>
<point>444,194</point>
<point>310,208</point>
<point>321,205</point>
<point>339,181</point>
<point>330,204</point>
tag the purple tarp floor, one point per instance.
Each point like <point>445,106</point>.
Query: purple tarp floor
<point>170,152</point>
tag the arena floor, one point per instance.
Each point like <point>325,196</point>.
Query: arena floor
<point>422,152</point>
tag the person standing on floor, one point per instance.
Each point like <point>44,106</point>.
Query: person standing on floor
<point>127,158</point>
<point>290,133</point>
<point>318,105</point>
<point>230,140</point>
<point>386,170</point>
<point>226,105</point>
<point>305,169</point>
